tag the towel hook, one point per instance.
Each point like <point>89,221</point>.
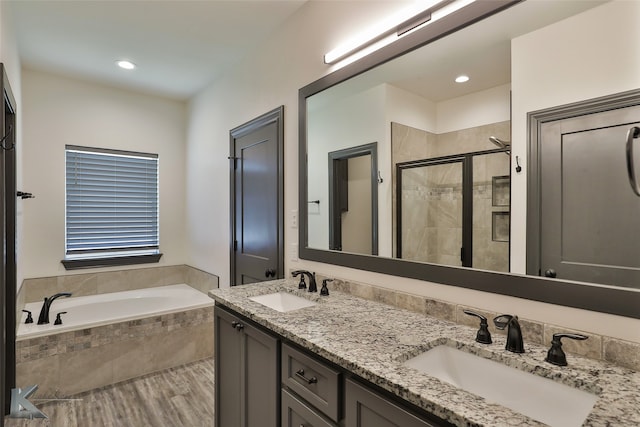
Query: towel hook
<point>4,138</point>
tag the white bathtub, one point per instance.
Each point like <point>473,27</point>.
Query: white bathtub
<point>97,310</point>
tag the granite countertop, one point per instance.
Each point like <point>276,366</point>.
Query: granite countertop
<point>372,340</point>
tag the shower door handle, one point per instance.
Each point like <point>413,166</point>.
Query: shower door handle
<point>632,133</point>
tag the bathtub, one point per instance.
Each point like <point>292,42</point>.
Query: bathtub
<point>108,338</point>
<point>103,309</point>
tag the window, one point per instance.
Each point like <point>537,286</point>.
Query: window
<point>111,207</point>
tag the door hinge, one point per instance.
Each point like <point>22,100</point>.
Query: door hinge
<point>462,254</point>
<point>235,161</point>
<point>235,245</point>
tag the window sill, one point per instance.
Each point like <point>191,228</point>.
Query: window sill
<point>77,264</point>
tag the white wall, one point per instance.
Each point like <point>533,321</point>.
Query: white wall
<point>11,60</point>
<point>289,61</point>
<point>348,122</point>
<point>59,110</point>
<point>603,51</point>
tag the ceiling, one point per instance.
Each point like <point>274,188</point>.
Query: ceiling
<point>179,46</point>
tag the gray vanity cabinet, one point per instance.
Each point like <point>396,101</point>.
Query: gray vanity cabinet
<point>366,408</point>
<point>246,374</point>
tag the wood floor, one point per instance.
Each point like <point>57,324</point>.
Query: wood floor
<point>177,397</point>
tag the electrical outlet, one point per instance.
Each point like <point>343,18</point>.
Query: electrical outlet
<point>294,252</point>
<point>294,218</point>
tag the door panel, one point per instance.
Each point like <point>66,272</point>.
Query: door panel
<point>257,205</point>
<point>590,217</point>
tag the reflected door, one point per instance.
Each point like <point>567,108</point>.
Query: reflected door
<point>590,217</point>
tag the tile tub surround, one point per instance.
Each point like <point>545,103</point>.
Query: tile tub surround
<point>83,284</point>
<point>117,280</point>
<point>372,340</point>
<point>72,362</point>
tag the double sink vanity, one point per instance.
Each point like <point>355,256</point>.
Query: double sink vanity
<point>288,357</point>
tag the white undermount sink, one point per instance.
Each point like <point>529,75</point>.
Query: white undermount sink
<point>539,398</point>
<point>283,301</point>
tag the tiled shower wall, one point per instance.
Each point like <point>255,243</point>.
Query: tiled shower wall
<point>432,196</point>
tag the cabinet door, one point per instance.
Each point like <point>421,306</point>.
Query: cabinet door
<point>364,408</point>
<point>247,374</point>
<point>228,348</point>
<point>261,379</point>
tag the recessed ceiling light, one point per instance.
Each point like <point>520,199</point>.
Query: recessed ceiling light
<point>462,79</point>
<point>127,65</point>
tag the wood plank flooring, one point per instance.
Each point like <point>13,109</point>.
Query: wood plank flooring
<point>177,397</point>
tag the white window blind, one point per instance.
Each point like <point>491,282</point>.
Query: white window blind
<point>111,203</point>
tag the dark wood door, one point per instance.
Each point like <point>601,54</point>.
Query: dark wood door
<point>7,249</point>
<point>257,200</point>
<point>589,215</point>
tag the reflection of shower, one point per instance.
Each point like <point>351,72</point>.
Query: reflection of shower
<point>500,143</point>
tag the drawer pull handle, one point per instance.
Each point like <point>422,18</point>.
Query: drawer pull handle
<point>237,325</point>
<point>300,374</point>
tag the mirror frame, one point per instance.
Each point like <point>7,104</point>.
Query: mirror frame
<point>589,296</point>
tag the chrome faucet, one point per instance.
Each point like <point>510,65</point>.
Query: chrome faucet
<point>514,334</point>
<point>313,287</point>
<point>44,312</point>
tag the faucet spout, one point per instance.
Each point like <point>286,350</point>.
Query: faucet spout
<point>514,333</point>
<point>46,305</point>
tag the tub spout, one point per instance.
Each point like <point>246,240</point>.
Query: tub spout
<point>46,305</point>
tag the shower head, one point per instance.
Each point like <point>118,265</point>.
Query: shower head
<point>500,143</point>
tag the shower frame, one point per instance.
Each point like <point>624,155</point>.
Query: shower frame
<point>466,159</point>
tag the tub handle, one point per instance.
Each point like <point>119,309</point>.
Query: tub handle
<point>29,318</point>
<point>58,318</point>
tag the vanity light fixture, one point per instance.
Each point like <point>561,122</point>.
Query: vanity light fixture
<point>462,78</point>
<point>396,26</point>
<point>124,64</point>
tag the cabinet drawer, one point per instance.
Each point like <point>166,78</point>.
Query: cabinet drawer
<point>312,380</point>
<point>296,413</point>
<point>365,408</point>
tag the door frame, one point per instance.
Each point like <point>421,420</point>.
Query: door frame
<point>335,227</point>
<point>535,120</point>
<point>8,203</point>
<point>274,116</point>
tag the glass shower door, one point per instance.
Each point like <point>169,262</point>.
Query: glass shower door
<point>430,212</point>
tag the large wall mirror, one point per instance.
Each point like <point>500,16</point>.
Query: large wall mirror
<point>459,176</point>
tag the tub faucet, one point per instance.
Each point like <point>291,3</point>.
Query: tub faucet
<point>313,287</point>
<point>44,313</point>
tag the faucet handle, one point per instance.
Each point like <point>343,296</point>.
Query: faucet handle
<point>302,284</point>
<point>483,336</point>
<point>58,318</point>
<point>29,318</point>
<point>324,290</point>
<point>556,355</point>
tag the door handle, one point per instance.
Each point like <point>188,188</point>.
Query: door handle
<point>632,133</point>
<point>270,272</point>
<point>550,273</point>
